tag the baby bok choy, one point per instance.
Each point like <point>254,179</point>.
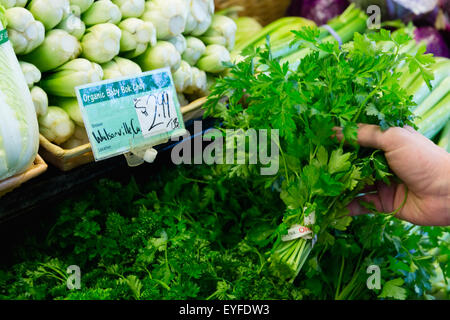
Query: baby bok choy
<point>101,42</point>
<point>137,36</point>
<point>163,54</point>
<point>24,32</point>
<point>56,125</point>
<point>63,80</point>
<point>58,48</point>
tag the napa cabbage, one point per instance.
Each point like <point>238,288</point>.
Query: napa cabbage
<point>19,133</point>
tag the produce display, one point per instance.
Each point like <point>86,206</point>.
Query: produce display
<point>63,44</point>
<point>226,231</point>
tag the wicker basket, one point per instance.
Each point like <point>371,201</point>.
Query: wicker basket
<point>66,160</point>
<point>265,11</point>
<point>38,167</point>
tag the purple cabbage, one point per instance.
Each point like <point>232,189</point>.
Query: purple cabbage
<point>434,40</point>
<point>426,19</point>
<point>320,11</point>
<point>437,18</point>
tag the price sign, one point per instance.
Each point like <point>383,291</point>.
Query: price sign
<point>156,113</point>
<point>130,113</point>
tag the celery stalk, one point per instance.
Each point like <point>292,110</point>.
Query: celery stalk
<point>435,119</point>
<point>346,33</point>
<point>281,35</point>
<point>436,95</point>
<point>284,33</point>
<point>261,35</point>
<point>407,77</point>
<point>419,89</point>
<point>411,49</point>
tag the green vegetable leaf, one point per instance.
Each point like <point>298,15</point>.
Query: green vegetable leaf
<point>393,289</point>
<point>339,161</point>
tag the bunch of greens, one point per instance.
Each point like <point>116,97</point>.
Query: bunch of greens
<point>183,241</point>
<point>332,86</point>
<point>192,233</point>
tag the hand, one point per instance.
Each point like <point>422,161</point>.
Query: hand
<point>421,165</point>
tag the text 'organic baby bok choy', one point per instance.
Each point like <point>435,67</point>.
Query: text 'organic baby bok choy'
<point>19,135</point>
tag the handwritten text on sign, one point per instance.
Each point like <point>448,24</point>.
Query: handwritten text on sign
<point>156,113</point>
<point>131,112</point>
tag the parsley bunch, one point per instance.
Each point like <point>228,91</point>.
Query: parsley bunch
<point>192,233</point>
<point>332,87</point>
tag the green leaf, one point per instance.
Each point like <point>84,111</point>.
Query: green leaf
<point>342,223</point>
<point>393,289</point>
<point>310,176</point>
<point>363,44</point>
<point>322,156</point>
<point>424,58</point>
<point>339,161</point>
<point>352,179</point>
<point>382,170</point>
<point>350,132</point>
<point>401,37</point>
<point>328,186</point>
<point>292,194</point>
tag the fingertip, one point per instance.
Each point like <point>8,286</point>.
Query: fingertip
<point>370,136</point>
<point>338,133</point>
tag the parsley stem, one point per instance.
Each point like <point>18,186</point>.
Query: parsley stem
<point>284,160</point>
<point>351,285</point>
<point>52,275</point>
<point>338,287</point>
<point>403,203</point>
<point>193,180</point>
<point>57,271</point>
<point>356,291</point>
<point>393,213</point>
<point>163,284</point>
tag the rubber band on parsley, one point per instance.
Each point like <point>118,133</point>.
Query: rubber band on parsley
<point>331,87</point>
